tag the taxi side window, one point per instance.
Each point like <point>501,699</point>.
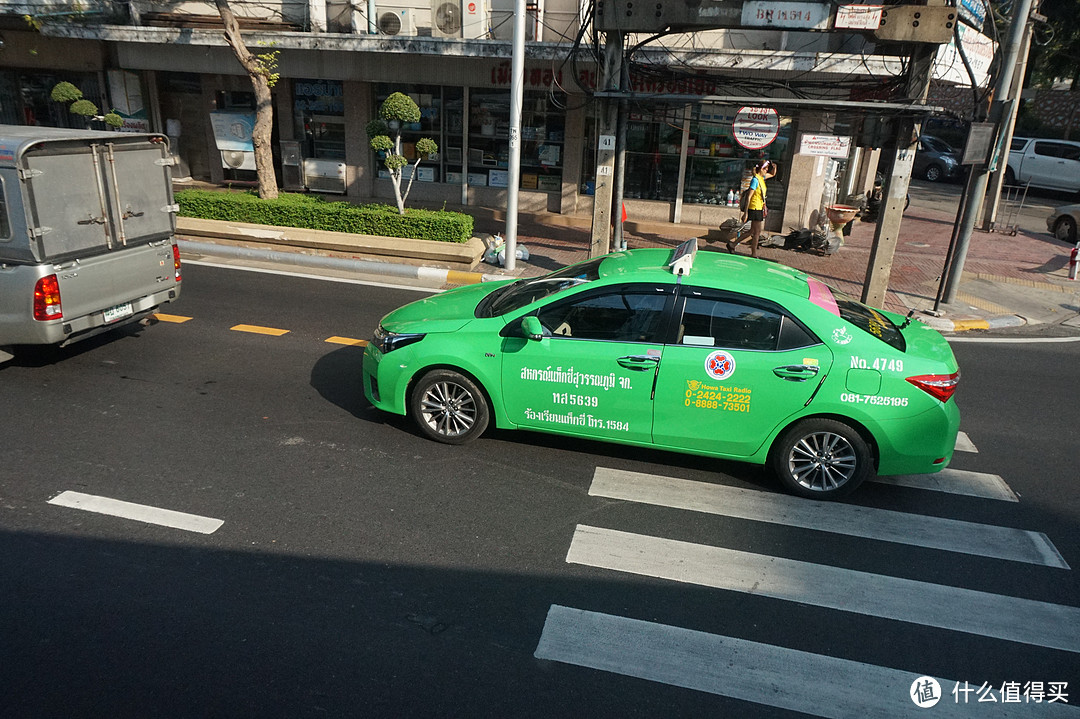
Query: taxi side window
<point>728,323</point>
<point>620,316</point>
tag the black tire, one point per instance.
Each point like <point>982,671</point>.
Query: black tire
<point>932,173</point>
<point>1010,176</point>
<point>1065,230</point>
<point>448,407</point>
<point>821,459</point>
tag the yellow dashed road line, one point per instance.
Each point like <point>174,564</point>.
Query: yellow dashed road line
<point>347,341</point>
<point>170,318</point>
<point>255,329</point>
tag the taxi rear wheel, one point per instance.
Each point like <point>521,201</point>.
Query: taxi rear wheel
<point>821,459</point>
<point>448,407</point>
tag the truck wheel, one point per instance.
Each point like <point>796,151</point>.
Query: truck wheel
<point>821,459</point>
<point>448,407</point>
<point>1010,176</point>
<point>1065,230</point>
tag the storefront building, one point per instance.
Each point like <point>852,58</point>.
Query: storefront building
<point>683,162</point>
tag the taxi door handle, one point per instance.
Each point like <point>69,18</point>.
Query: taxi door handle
<point>639,362</point>
<point>796,372</point>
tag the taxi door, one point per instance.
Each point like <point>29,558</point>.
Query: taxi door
<point>592,374</point>
<point>739,367</point>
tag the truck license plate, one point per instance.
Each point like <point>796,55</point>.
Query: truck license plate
<point>117,313</point>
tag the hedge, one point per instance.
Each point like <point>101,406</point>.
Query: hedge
<point>315,213</point>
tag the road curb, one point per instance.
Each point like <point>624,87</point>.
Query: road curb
<point>440,275</point>
<point>943,324</point>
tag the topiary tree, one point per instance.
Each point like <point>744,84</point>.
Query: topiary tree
<point>395,111</point>
<point>66,92</point>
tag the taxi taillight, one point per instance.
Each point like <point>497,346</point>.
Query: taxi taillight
<point>938,386</point>
<point>176,261</point>
<point>47,299</point>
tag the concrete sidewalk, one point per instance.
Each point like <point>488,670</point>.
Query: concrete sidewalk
<point>1009,281</point>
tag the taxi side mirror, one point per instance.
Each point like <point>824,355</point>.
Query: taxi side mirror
<point>531,328</point>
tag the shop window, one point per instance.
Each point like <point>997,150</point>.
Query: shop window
<point>716,164</point>
<point>38,108</point>
<point>488,128</point>
<point>319,118</point>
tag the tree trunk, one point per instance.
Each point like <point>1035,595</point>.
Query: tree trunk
<point>264,105</point>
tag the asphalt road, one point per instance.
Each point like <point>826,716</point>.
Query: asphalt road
<point>1028,211</point>
<point>361,570</point>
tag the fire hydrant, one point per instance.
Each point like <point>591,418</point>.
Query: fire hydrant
<point>1074,259</point>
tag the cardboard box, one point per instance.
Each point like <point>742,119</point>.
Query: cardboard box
<point>498,178</point>
<point>478,178</point>
<point>455,178</point>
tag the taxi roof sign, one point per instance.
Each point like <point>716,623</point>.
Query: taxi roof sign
<point>682,259</point>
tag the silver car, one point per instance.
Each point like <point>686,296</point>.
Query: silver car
<point>1063,221</point>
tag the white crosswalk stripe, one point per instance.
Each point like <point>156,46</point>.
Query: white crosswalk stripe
<point>964,610</point>
<point>964,443</point>
<point>727,666</point>
<point>956,481</point>
<point>912,529</point>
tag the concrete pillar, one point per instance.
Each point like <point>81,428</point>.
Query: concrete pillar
<point>210,84</point>
<point>805,180</point>
<point>573,150</point>
<point>360,169</point>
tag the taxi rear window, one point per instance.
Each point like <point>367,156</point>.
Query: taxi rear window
<point>526,291</point>
<point>864,317</point>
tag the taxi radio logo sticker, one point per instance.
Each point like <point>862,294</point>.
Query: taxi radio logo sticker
<point>840,336</point>
<point>720,365</point>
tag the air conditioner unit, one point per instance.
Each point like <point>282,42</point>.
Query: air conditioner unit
<point>446,18</point>
<point>475,19</point>
<point>395,21</point>
<point>237,160</point>
<point>324,175</point>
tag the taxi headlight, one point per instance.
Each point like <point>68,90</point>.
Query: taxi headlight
<point>389,341</point>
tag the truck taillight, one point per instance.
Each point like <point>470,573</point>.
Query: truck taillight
<point>938,386</point>
<point>176,261</point>
<point>47,299</point>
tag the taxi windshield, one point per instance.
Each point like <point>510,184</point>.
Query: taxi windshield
<point>526,291</point>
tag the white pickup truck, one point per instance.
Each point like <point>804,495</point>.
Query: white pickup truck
<point>1047,164</point>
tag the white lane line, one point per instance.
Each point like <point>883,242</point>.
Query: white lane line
<point>956,481</point>
<point>951,535</point>
<point>964,443</point>
<point>818,585</point>
<point>764,674</point>
<point>138,512</point>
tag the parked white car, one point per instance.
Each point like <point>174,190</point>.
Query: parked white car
<point>1047,164</point>
<point>1063,222</point>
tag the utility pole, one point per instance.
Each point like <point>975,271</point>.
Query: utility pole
<point>978,185</point>
<point>605,150</point>
<point>997,180</point>
<point>896,184</point>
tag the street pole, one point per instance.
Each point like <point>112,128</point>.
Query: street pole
<point>603,193</point>
<point>517,91</point>
<point>978,187</point>
<point>997,180</point>
<point>883,250</point>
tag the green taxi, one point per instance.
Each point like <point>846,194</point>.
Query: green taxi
<point>696,352</point>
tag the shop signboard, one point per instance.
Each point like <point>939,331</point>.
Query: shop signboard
<point>858,17</point>
<point>973,12</point>
<point>755,127</point>
<point>824,145</point>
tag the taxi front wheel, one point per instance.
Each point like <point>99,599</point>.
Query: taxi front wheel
<point>821,459</point>
<point>448,407</point>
